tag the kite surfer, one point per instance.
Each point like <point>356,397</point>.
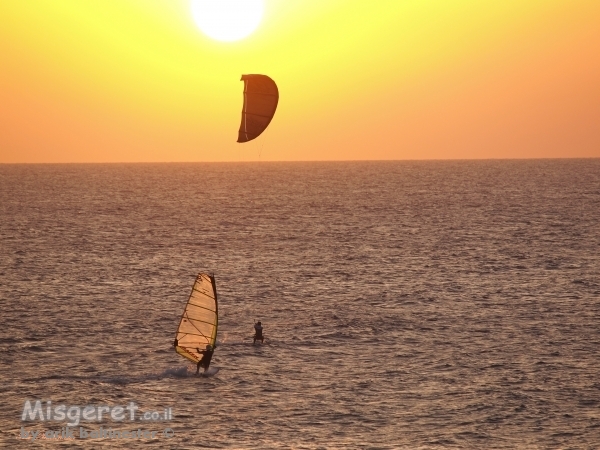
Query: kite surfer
<point>258,329</point>
<point>206,357</point>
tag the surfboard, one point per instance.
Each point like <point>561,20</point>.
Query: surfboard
<point>211,372</point>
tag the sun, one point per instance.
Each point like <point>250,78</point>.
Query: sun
<point>227,20</point>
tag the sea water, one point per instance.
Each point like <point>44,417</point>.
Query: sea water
<point>405,304</point>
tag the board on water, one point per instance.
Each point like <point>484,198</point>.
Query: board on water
<point>211,372</point>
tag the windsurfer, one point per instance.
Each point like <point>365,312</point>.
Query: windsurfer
<point>258,329</point>
<point>206,357</point>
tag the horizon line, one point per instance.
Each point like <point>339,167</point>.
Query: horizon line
<point>303,161</point>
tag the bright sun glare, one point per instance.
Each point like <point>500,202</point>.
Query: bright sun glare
<point>227,20</point>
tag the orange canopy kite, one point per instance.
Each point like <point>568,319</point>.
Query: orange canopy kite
<point>260,102</point>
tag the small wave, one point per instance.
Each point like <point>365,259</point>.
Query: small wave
<point>176,372</point>
<point>32,348</point>
<point>179,372</point>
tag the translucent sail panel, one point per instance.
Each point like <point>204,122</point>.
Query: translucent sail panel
<point>198,325</point>
<point>260,102</point>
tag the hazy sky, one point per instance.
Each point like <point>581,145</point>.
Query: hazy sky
<point>136,80</point>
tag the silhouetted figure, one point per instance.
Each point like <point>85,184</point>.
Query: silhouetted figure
<point>258,329</point>
<point>206,357</point>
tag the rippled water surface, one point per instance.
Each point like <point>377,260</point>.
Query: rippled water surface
<point>405,304</point>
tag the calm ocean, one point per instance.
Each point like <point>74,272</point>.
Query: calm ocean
<point>406,305</point>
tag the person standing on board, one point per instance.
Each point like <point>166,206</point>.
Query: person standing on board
<point>206,357</point>
<point>258,329</point>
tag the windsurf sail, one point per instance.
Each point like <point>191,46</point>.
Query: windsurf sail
<point>199,321</point>
<point>260,102</point>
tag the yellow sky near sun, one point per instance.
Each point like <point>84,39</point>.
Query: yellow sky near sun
<point>135,80</point>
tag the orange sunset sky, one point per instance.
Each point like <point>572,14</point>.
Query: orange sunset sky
<point>138,81</point>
